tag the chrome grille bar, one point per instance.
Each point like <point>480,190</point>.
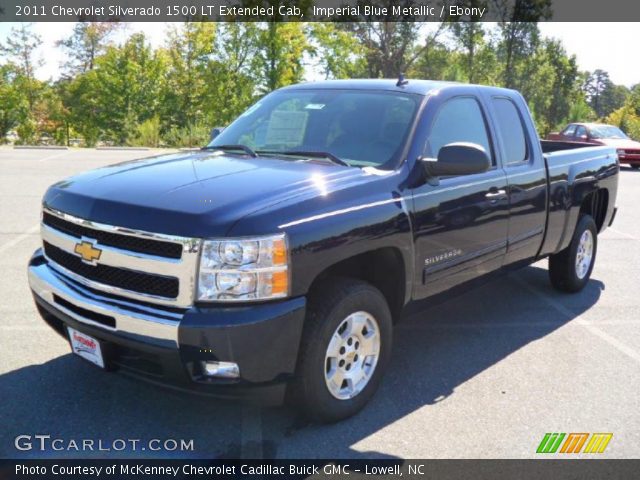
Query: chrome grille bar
<point>184,269</point>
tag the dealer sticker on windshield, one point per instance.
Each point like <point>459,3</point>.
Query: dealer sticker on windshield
<point>87,347</point>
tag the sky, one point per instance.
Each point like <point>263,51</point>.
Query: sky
<point>606,46</point>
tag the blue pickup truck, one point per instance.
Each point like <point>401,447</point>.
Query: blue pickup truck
<point>274,262</point>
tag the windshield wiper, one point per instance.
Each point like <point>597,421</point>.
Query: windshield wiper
<point>244,148</point>
<point>310,154</point>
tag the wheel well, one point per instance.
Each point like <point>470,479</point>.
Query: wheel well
<point>596,205</point>
<point>382,268</point>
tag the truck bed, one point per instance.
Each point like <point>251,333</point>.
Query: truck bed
<point>550,146</point>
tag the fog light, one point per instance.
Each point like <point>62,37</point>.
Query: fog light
<point>221,369</point>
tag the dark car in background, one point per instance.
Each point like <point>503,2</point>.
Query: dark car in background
<point>600,134</point>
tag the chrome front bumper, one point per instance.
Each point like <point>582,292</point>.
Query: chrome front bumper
<point>134,320</point>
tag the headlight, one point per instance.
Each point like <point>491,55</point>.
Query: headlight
<point>243,269</point>
<point>620,151</point>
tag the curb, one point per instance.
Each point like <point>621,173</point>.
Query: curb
<point>39,147</point>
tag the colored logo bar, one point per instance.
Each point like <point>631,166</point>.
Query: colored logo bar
<point>573,443</point>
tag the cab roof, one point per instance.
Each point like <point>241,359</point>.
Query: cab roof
<point>419,87</point>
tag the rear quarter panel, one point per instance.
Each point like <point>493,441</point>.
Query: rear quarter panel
<point>572,176</point>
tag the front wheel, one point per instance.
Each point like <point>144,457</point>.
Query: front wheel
<point>345,347</point>
<point>571,268</point>
<point>635,166</point>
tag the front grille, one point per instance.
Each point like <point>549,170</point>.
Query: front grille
<point>125,242</point>
<point>145,283</point>
<point>632,152</point>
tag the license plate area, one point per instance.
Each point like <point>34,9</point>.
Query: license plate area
<point>86,347</point>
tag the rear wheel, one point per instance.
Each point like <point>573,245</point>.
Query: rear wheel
<point>571,268</point>
<point>345,347</point>
<point>635,166</point>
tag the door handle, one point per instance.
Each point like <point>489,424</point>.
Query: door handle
<point>494,194</point>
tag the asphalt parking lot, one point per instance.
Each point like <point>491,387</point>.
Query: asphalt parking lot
<point>484,376</point>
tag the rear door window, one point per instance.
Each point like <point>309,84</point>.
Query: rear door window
<point>511,130</point>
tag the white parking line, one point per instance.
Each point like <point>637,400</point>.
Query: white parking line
<point>616,343</point>
<point>251,438</point>
<point>19,238</point>
<point>628,351</point>
<point>631,237</point>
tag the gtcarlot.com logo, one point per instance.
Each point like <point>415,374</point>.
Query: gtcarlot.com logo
<point>47,443</point>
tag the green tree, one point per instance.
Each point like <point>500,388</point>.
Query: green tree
<point>596,84</point>
<point>88,41</point>
<point>612,98</point>
<point>469,37</point>
<point>519,35</point>
<point>189,50</point>
<point>14,105</point>
<point>20,50</point>
<point>340,54</point>
<point>127,83</point>
<point>81,97</point>
<point>627,119</point>
<point>390,47</point>
<point>279,55</point>
<point>233,80</point>
<point>560,90</point>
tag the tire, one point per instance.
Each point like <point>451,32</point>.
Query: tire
<point>361,308</point>
<point>567,274</point>
<point>635,167</point>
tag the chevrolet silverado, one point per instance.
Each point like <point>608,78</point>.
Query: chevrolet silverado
<point>274,262</point>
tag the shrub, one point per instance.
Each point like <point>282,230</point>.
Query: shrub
<point>147,134</point>
<point>196,136</point>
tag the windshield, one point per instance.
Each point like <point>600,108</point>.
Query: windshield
<point>607,131</point>
<point>361,128</point>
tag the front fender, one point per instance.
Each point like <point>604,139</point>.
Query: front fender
<point>325,230</point>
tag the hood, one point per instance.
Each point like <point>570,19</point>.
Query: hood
<point>620,143</point>
<point>195,194</point>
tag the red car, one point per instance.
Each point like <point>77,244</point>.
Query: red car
<point>601,134</point>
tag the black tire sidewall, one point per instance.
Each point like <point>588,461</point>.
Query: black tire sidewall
<point>586,223</point>
<point>574,283</point>
<point>319,401</point>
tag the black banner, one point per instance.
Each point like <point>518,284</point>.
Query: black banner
<point>582,469</point>
<point>319,10</point>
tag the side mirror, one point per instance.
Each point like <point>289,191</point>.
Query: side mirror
<point>215,132</point>
<point>457,159</point>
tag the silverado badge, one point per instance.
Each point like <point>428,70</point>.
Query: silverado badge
<point>87,250</point>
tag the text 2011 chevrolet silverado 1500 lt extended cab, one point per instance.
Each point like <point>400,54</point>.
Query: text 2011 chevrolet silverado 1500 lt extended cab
<point>277,258</point>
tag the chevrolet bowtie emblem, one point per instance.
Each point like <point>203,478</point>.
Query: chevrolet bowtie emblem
<point>88,251</point>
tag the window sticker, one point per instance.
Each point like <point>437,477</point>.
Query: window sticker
<point>286,128</point>
<point>315,106</point>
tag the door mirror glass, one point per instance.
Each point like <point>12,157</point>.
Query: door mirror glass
<point>457,159</point>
